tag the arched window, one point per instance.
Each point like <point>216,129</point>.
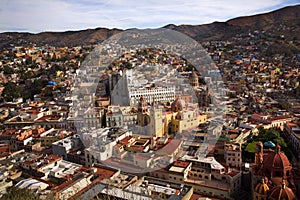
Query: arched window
<point>277,174</point>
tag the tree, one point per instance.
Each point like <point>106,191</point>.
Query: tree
<point>8,70</point>
<point>251,147</point>
<point>54,57</point>
<point>27,75</point>
<point>266,135</point>
<point>47,91</point>
<point>18,193</point>
<point>37,87</point>
<point>249,150</point>
<point>41,72</point>
<point>29,61</point>
<point>11,91</point>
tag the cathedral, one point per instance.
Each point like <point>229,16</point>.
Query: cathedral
<point>272,176</point>
<point>202,92</point>
<point>162,121</point>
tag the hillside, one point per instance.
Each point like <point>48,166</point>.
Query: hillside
<point>68,38</point>
<point>285,21</point>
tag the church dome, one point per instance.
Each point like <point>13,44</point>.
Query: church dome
<point>282,192</point>
<point>178,105</point>
<point>276,164</point>
<point>262,188</point>
<point>194,79</point>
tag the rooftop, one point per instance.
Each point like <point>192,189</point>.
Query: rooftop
<point>213,163</point>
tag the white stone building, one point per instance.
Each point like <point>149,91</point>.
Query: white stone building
<point>233,155</point>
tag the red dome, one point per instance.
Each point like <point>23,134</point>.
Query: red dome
<point>277,160</point>
<point>282,192</point>
<point>262,188</point>
<point>276,164</point>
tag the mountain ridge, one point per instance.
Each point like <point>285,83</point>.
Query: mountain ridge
<point>288,16</point>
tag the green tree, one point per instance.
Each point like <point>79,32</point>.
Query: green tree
<point>11,91</point>
<point>8,70</point>
<point>37,87</point>
<point>41,72</point>
<point>266,135</point>
<point>54,57</point>
<point>47,91</point>
<point>14,193</point>
<point>27,75</point>
<point>29,61</point>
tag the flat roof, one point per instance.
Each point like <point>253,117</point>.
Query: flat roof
<point>177,169</point>
<point>210,160</point>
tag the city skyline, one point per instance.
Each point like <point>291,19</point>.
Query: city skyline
<point>63,15</point>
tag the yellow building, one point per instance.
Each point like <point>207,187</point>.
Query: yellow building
<point>48,140</point>
<point>154,122</point>
<point>183,117</point>
<point>50,136</point>
<point>185,120</point>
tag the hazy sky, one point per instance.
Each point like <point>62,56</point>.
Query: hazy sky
<point>61,15</point>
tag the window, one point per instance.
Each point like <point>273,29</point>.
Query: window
<point>277,174</point>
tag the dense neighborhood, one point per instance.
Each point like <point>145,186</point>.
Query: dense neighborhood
<point>147,128</point>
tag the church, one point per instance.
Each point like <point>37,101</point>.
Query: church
<point>160,120</point>
<point>272,176</point>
